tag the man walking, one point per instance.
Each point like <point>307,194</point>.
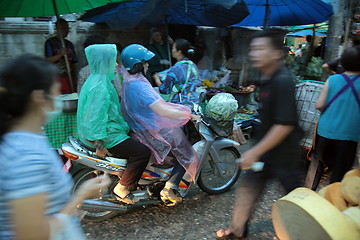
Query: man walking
<point>277,136</point>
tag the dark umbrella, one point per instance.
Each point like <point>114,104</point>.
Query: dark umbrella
<point>285,12</point>
<point>128,15</point>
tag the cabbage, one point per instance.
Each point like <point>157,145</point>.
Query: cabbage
<point>222,107</point>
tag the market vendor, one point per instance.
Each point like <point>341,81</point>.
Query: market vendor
<point>182,79</point>
<point>55,53</point>
<point>160,62</point>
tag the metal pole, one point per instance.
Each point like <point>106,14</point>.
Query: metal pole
<point>348,10</point>
<point>67,63</point>
<point>167,39</point>
<point>267,14</point>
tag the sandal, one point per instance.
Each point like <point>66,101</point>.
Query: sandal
<point>128,199</point>
<point>170,197</point>
<point>226,233</point>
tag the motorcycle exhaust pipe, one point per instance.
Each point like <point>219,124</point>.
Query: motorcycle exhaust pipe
<point>102,206</point>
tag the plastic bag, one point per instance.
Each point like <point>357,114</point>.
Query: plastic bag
<point>224,78</point>
<point>222,107</point>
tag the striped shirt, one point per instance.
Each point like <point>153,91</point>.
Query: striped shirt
<point>28,166</point>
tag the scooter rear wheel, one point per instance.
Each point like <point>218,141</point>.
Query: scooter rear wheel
<point>210,181</point>
<point>93,215</point>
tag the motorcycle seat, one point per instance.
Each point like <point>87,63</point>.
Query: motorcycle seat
<point>88,148</point>
<point>81,144</point>
<point>162,166</point>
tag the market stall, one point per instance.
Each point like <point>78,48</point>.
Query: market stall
<point>63,126</point>
<point>60,129</point>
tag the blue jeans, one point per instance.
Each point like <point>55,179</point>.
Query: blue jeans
<point>176,176</point>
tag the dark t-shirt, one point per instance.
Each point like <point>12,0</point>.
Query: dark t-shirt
<point>277,106</point>
<point>53,46</point>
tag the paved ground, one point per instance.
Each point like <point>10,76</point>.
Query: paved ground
<point>198,217</point>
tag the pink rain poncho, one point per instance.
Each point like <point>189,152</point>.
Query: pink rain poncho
<point>160,134</point>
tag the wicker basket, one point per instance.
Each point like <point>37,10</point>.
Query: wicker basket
<point>307,93</point>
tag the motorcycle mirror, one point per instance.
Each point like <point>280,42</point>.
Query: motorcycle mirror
<point>188,104</point>
<point>202,97</point>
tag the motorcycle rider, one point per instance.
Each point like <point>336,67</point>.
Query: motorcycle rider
<point>156,123</point>
<point>101,125</point>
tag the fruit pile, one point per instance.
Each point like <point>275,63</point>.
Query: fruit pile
<point>250,88</point>
<point>240,89</point>
<point>230,89</point>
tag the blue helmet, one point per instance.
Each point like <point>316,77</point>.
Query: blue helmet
<point>135,53</point>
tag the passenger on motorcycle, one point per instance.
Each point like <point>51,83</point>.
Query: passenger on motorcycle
<point>155,122</point>
<point>101,125</point>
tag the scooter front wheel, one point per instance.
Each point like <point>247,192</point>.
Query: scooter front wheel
<point>210,181</point>
<point>92,215</point>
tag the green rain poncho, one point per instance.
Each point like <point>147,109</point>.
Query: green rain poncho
<point>98,115</point>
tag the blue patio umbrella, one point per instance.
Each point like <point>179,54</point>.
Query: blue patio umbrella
<point>304,33</point>
<point>285,12</point>
<point>130,14</point>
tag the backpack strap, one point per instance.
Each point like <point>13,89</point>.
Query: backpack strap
<point>350,83</point>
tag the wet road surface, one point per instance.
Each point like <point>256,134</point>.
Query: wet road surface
<point>198,217</point>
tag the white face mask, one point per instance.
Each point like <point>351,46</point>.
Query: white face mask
<point>58,108</point>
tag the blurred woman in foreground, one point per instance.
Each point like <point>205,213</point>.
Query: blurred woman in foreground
<point>35,194</point>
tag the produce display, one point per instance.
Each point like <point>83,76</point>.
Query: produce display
<point>240,89</point>
<point>250,88</point>
<point>214,91</point>
<point>222,107</point>
<point>243,109</point>
<point>242,117</point>
<point>230,89</point>
<point>207,83</point>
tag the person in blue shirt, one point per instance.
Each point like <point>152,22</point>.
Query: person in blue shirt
<point>154,122</point>
<point>338,130</point>
<point>36,200</point>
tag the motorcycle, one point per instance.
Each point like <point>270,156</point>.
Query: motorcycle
<point>216,174</point>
